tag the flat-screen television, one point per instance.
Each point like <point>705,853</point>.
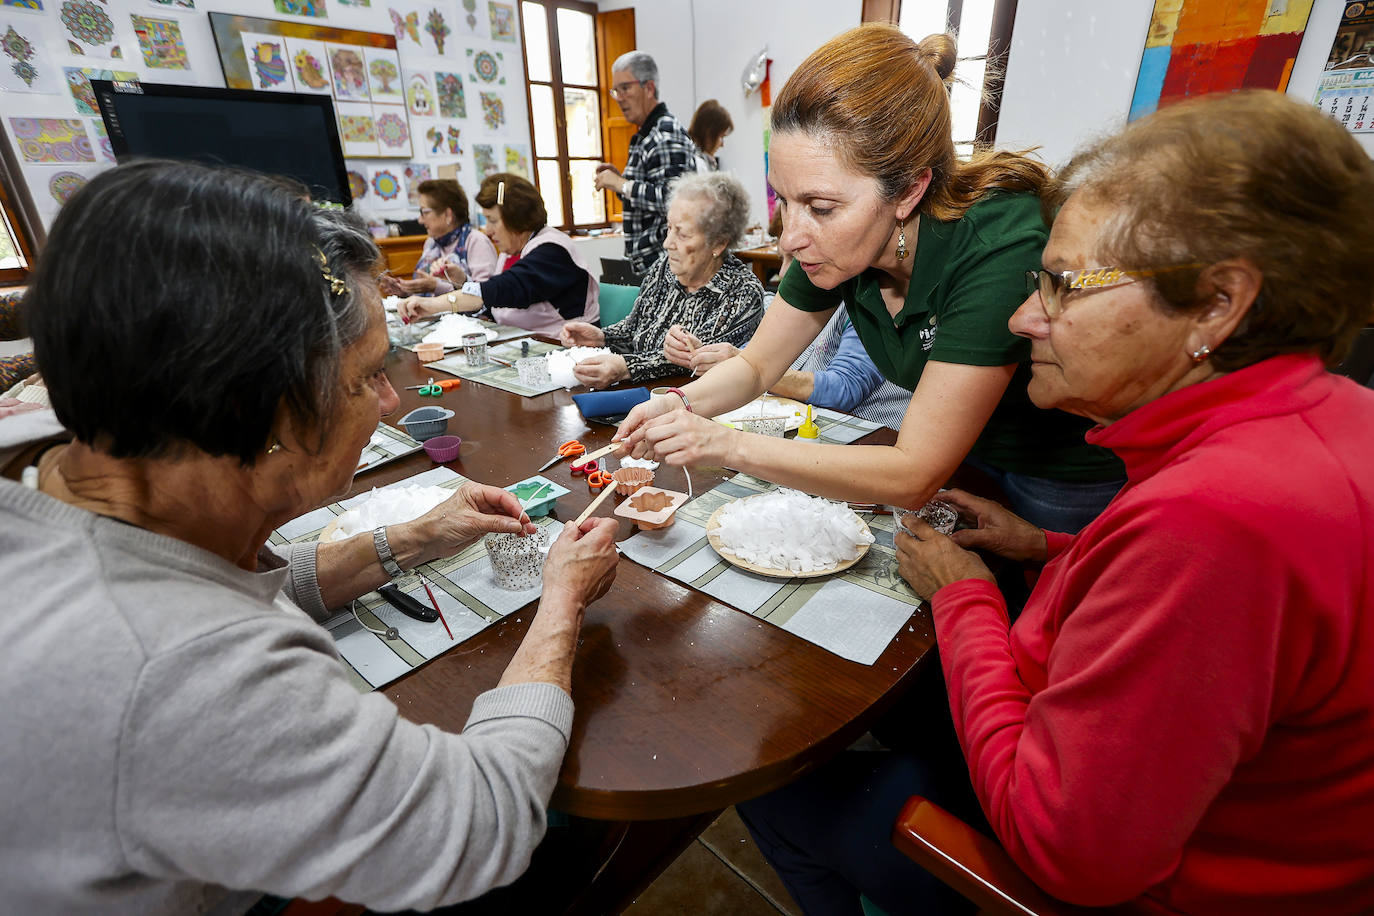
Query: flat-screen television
<point>279,133</point>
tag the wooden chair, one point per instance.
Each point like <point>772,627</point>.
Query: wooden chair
<point>975,865</point>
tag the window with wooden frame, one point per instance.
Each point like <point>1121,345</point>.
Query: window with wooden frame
<point>16,254</point>
<point>983,29</point>
<point>564,90</point>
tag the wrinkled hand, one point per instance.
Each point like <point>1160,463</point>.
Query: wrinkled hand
<point>581,334</point>
<point>11,406</point>
<point>608,177</point>
<point>474,510</point>
<point>679,345</point>
<point>581,563</point>
<point>712,355</point>
<point>999,530</point>
<point>631,429</point>
<point>425,283</point>
<point>454,273</point>
<point>929,561</point>
<point>389,285</point>
<point>421,307</point>
<point>601,371</point>
<point>685,439</point>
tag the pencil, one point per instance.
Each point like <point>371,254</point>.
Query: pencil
<point>425,583</point>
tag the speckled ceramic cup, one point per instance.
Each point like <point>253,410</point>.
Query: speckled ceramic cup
<point>517,562</point>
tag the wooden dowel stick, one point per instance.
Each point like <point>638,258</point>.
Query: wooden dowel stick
<point>586,513</point>
<point>606,450</point>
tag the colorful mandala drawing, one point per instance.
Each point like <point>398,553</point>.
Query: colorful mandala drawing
<point>416,172</point>
<point>25,71</point>
<point>454,147</point>
<point>419,100</point>
<point>161,44</point>
<point>517,161</point>
<point>502,16</point>
<point>386,185</point>
<point>34,5</point>
<point>384,72</point>
<point>357,184</point>
<point>309,70</point>
<point>358,128</point>
<point>486,66</point>
<point>484,157</point>
<point>437,28</point>
<point>493,111</point>
<point>16,45</point>
<point>64,184</point>
<point>106,148</point>
<point>350,81</point>
<point>183,4</point>
<point>87,21</point>
<point>52,139</point>
<point>392,130</point>
<point>449,86</point>
<point>268,64</point>
<point>405,25</point>
<point>314,8</point>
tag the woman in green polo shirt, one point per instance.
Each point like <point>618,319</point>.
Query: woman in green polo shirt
<point>930,254</point>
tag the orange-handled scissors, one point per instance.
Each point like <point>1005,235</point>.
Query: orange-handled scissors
<point>598,479</point>
<point>570,449</point>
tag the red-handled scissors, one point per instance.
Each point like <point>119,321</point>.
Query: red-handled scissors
<point>570,449</point>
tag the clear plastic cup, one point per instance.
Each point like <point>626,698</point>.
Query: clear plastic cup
<point>533,371</point>
<point>517,562</point>
<point>475,348</point>
<point>939,515</point>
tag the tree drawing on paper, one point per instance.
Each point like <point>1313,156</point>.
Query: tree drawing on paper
<point>493,111</point>
<point>384,71</point>
<point>161,44</point>
<point>437,28</point>
<point>454,147</point>
<point>419,100</point>
<point>449,86</point>
<point>268,64</point>
<point>309,70</point>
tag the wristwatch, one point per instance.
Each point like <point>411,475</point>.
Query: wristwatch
<point>452,297</point>
<point>384,554</point>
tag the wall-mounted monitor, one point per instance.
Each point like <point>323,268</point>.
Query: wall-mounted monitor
<point>279,133</point>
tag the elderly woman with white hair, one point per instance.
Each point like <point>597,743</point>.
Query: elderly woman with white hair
<point>697,290</point>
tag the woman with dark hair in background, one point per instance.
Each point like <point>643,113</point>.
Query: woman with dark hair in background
<point>452,240</point>
<point>546,282</point>
<point>180,726</point>
<point>710,126</point>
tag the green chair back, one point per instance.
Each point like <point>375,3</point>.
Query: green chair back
<point>616,302</point>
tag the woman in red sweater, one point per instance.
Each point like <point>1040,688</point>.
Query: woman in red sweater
<point>1183,716</point>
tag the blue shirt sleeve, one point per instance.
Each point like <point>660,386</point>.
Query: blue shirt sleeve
<point>849,378</point>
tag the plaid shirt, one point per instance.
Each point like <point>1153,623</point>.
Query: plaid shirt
<point>727,309</point>
<point>659,152</point>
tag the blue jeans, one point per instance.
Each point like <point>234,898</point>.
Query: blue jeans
<point>1055,505</point>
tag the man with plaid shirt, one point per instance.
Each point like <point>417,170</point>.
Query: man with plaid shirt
<point>659,152</point>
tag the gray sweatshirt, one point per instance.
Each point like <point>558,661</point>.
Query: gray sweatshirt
<point>173,727</point>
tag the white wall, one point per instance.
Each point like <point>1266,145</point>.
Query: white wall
<point>702,46</point>
<point>1074,62</point>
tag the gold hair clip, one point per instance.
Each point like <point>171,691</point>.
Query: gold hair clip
<point>336,286</point>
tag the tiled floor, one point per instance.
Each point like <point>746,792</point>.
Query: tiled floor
<point>721,873</point>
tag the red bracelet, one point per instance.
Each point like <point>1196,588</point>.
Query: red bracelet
<point>685,403</point>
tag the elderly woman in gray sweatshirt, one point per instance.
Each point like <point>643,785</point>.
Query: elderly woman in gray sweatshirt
<point>177,728</point>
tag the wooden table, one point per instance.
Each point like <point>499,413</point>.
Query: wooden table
<point>765,261</point>
<point>684,705</point>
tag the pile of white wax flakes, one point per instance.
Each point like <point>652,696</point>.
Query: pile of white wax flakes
<point>789,530</point>
<point>390,506</point>
<point>561,363</point>
<point>451,328</point>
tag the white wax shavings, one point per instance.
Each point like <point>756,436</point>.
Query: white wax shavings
<point>628,462</point>
<point>789,530</point>
<point>451,328</point>
<point>390,506</point>
<point>561,363</point>
<point>392,303</point>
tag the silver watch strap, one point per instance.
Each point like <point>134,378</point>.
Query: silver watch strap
<point>384,554</point>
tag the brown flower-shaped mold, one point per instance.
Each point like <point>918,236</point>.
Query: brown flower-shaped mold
<point>651,507</point>
<point>628,480</point>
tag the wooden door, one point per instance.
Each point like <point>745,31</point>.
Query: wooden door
<point>615,35</point>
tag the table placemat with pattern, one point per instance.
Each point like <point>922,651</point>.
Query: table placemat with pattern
<point>495,374</point>
<point>463,586</point>
<point>387,444</point>
<point>503,332</point>
<point>854,613</point>
<point>841,428</point>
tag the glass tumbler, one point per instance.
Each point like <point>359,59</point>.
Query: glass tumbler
<point>475,349</point>
<point>533,371</point>
<point>939,515</point>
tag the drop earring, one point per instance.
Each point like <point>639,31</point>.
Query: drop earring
<point>901,240</point>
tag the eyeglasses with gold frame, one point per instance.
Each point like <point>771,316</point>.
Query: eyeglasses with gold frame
<point>1051,284</point>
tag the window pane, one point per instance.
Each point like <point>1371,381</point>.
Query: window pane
<point>920,18</point>
<point>551,187</point>
<point>589,204</point>
<point>545,125</point>
<point>577,47</point>
<point>10,256</point>
<point>966,98</point>
<point>537,60</point>
<point>975,25</point>
<point>963,150</point>
<point>582,111</point>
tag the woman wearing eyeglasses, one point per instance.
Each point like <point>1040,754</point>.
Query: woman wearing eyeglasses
<point>1183,715</point>
<point>929,254</point>
<point>452,242</point>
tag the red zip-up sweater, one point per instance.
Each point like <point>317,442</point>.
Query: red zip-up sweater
<point>1185,709</point>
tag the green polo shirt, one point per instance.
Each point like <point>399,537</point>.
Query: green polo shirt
<point>968,278</point>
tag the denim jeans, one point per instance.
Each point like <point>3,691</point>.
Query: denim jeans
<point>1055,505</point>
